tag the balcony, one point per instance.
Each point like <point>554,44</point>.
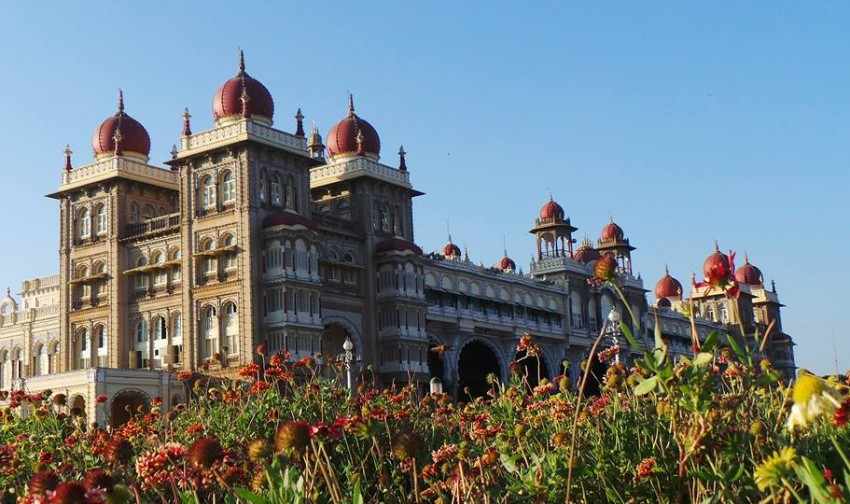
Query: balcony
<point>153,226</point>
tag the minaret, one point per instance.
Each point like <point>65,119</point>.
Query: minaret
<point>299,123</point>
<point>187,127</point>
<point>553,232</point>
<point>315,145</point>
<point>68,153</point>
<point>402,165</point>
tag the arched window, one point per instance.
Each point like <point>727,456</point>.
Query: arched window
<point>85,286</point>
<point>148,212</point>
<point>230,255</point>
<point>83,349</point>
<point>228,188</point>
<point>176,270</point>
<point>290,193</point>
<point>142,331</point>
<point>209,332</point>
<point>160,329</point>
<point>176,328</point>
<point>134,213</point>
<point>141,276</point>
<point>160,275</point>
<point>709,313</point>
<point>84,224</point>
<point>262,187</point>
<point>37,368</point>
<point>4,357</point>
<point>17,363</point>
<point>575,310</point>
<point>724,314</point>
<point>161,211</point>
<point>277,195</point>
<point>52,358</point>
<point>100,337</point>
<point>207,192</point>
<point>231,328</point>
<point>208,266</point>
<point>101,219</point>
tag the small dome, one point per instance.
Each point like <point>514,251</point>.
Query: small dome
<point>227,102</point>
<point>716,266</point>
<point>397,244</point>
<point>451,250</point>
<point>586,254</point>
<point>506,264</point>
<point>663,303</point>
<point>612,231</point>
<point>748,274</point>
<point>668,287</point>
<point>290,219</point>
<point>353,136</point>
<point>132,137</point>
<point>552,210</point>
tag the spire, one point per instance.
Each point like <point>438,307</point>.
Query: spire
<point>116,139</point>
<point>120,102</point>
<point>241,62</point>
<point>746,258</point>
<point>173,153</point>
<point>68,153</point>
<point>666,270</point>
<point>773,286</point>
<point>350,105</point>
<point>402,165</point>
<point>360,151</point>
<point>245,99</point>
<point>187,126</point>
<point>716,246</point>
<point>299,123</point>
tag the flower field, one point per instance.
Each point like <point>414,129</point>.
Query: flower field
<point>717,428</point>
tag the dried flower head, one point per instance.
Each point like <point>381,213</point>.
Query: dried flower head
<point>407,445</point>
<point>292,437</point>
<point>205,453</point>
<point>41,482</point>
<point>69,493</point>
<point>98,478</point>
<point>605,269</point>
<point>769,473</point>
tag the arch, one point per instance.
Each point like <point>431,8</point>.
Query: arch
<point>276,191</point>
<point>52,357</point>
<point>230,327</point>
<point>134,212</point>
<point>161,211</point>
<point>228,187</point>
<point>209,331</point>
<point>263,189</point>
<point>448,284</point>
<point>430,280</point>
<point>125,404</point>
<point>291,194</point>
<point>82,348</point>
<point>101,219</point>
<point>477,359</point>
<point>475,288</point>
<point>489,291</point>
<point>349,326</point>
<point>148,212</point>
<point>332,340</point>
<point>207,185</point>
<point>39,363</point>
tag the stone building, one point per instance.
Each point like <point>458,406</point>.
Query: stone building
<point>252,234</point>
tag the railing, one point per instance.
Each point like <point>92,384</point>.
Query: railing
<point>333,221</point>
<point>153,225</point>
<point>101,169</point>
<point>237,130</point>
<point>359,164</point>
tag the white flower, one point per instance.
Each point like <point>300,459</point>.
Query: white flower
<point>813,398</point>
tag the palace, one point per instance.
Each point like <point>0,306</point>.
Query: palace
<point>254,235</point>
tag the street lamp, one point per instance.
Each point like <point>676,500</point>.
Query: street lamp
<point>436,385</point>
<point>614,317</point>
<point>348,357</point>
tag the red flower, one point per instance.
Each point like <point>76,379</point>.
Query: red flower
<point>719,270</point>
<point>185,375</point>
<point>102,398</point>
<point>842,414</point>
<point>645,468</point>
<point>205,453</point>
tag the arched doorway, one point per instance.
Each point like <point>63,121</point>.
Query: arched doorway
<point>594,379</point>
<point>332,340</point>
<point>532,368</point>
<point>126,404</point>
<point>476,362</point>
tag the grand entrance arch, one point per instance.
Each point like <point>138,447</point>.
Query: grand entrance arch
<point>126,404</point>
<point>476,362</point>
<point>593,387</point>
<point>532,369</point>
<point>332,339</point>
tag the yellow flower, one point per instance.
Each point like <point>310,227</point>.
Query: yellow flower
<point>813,397</point>
<point>770,472</point>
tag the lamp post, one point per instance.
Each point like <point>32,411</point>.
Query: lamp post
<point>348,356</point>
<point>614,317</point>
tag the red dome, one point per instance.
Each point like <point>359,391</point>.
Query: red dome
<point>506,264</point>
<point>552,210</point>
<point>586,254</point>
<point>668,287</point>
<point>716,266</point>
<point>451,250</point>
<point>289,218</point>
<point>748,274</point>
<point>397,245</point>
<point>133,137</point>
<point>227,101</point>
<point>353,136</point>
<point>612,231</point>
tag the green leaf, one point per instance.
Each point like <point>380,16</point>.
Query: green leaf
<point>703,358</point>
<point>659,343</point>
<point>627,332</point>
<point>646,386</point>
<point>710,340</point>
<point>736,348</point>
<point>251,497</point>
<point>357,497</point>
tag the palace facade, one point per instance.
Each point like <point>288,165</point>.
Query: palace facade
<point>251,234</point>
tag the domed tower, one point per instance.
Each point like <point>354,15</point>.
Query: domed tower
<point>553,232</point>
<point>612,240</point>
<point>668,288</point>
<point>748,274</point>
<point>506,264</point>
<point>353,136</point>
<point>242,96</point>
<point>451,251</point>
<point>315,145</point>
<point>586,253</point>
<point>107,209</point>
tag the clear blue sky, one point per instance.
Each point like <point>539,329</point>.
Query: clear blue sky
<point>687,121</point>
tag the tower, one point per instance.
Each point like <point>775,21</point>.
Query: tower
<point>612,240</point>
<point>553,232</point>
